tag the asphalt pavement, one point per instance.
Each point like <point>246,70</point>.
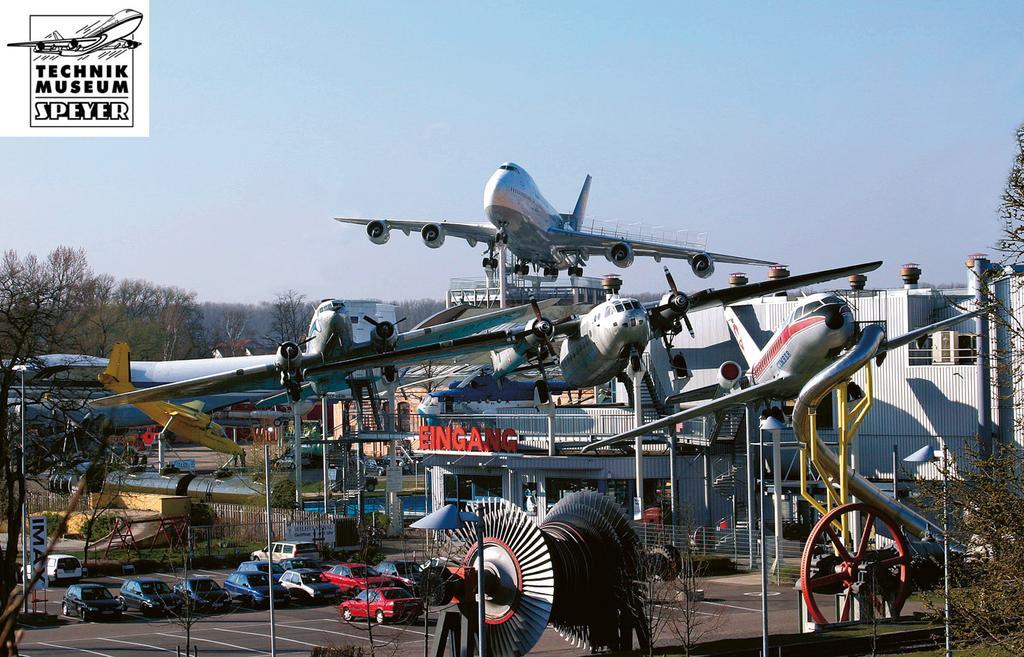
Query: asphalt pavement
<point>731,609</point>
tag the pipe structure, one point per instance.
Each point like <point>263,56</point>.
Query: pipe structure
<point>984,372</point>
<point>323,452</point>
<point>817,390</point>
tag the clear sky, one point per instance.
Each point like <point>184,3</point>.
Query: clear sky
<point>816,134</point>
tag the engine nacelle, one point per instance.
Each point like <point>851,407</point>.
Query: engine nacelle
<point>703,265</point>
<point>729,374</point>
<point>288,355</point>
<point>384,336</point>
<point>378,231</point>
<point>433,235</point>
<point>620,255</point>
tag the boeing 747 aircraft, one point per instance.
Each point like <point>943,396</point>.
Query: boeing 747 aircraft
<point>520,217</point>
<point>109,34</point>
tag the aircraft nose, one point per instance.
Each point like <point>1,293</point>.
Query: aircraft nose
<point>498,189</point>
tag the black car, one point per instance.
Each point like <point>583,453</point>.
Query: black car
<point>204,592</point>
<point>90,602</point>
<point>150,596</point>
<point>409,572</point>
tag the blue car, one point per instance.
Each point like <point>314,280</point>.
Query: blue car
<point>253,589</point>
<point>276,569</point>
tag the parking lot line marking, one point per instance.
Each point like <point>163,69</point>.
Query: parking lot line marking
<point>318,629</point>
<point>209,572</point>
<point>722,604</point>
<point>220,643</point>
<point>332,620</point>
<point>266,636</point>
<point>91,652</point>
<point>132,643</point>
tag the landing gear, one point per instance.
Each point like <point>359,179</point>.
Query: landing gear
<point>550,272</point>
<point>490,263</point>
<point>521,269</point>
<point>576,271</point>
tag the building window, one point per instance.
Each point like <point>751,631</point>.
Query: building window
<point>557,488</point>
<point>944,348</point>
<point>464,488</point>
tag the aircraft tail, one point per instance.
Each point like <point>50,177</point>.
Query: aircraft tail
<point>580,211</point>
<point>117,377</point>
<point>748,347</point>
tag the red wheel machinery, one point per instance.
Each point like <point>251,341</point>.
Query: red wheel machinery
<point>875,574</point>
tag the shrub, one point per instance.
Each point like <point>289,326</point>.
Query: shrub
<point>98,527</point>
<point>337,651</point>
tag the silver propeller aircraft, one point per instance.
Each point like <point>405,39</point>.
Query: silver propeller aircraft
<point>313,363</point>
<point>598,345</point>
<point>816,333</point>
<point>538,235</point>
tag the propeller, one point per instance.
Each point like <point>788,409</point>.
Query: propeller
<point>384,332</point>
<point>679,302</point>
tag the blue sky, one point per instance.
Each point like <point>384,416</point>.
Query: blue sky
<point>815,134</point>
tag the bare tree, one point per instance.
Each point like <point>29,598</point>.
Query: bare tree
<point>288,316</point>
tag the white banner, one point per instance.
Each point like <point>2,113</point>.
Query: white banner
<point>312,532</point>
<point>37,549</point>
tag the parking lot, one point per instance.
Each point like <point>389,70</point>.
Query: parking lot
<point>732,606</point>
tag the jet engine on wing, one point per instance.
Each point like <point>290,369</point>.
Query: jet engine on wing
<point>379,232</point>
<point>620,255</point>
<point>703,265</point>
<point>433,235</point>
<point>729,373</point>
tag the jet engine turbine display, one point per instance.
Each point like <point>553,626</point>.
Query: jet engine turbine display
<point>576,571</point>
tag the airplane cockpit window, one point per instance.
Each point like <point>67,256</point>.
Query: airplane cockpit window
<point>619,307</point>
<point>806,309</point>
<point>355,320</point>
<point>508,167</point>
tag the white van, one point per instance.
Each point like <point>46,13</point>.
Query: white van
<point>62,568</point>
<point>288,550</point>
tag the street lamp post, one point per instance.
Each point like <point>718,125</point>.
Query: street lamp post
<point>449,518</point>
<point>24,498</point>
<point>771,425</point>
<point>925,455</point>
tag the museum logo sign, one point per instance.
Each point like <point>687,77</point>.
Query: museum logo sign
<point>83,73</point>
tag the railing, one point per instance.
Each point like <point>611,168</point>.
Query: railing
<point>637,232</point>
<point>731,542</point>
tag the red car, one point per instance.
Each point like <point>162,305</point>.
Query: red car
<point>352,578</point>
<point>383,604</point>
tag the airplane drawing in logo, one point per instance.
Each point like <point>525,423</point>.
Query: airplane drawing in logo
<point>109,34</point>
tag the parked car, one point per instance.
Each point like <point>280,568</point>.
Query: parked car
<point>309,585</point>
<point>204,592</point>
<point>149,595</point>
<point>62,568</point>
<point>383,604</point>
<point>261,567</point>
<point>409,573</point>
<point>254,589</point>
<point>352,578</point>
<point>287,550</point>
<point>302,562</point>
<point>90,601</point>
<point>287,462</point>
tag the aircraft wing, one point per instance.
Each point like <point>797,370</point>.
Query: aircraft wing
<point>758,391</point>
<point>442,349</point>
<point>730,295</point>
<point>571,241</point>
<point>248,378</point>
<point>470,232</point>
<point>923,332</point>
<point>57,45</point>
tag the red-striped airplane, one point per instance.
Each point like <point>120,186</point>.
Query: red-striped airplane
<point>820,328</point>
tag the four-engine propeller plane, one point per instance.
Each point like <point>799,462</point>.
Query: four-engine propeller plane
<point>820,328</point>
<point>329,343</point>
<point>520,217</point>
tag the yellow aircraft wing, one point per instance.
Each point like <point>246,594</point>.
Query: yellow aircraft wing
<point>186,421</point>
